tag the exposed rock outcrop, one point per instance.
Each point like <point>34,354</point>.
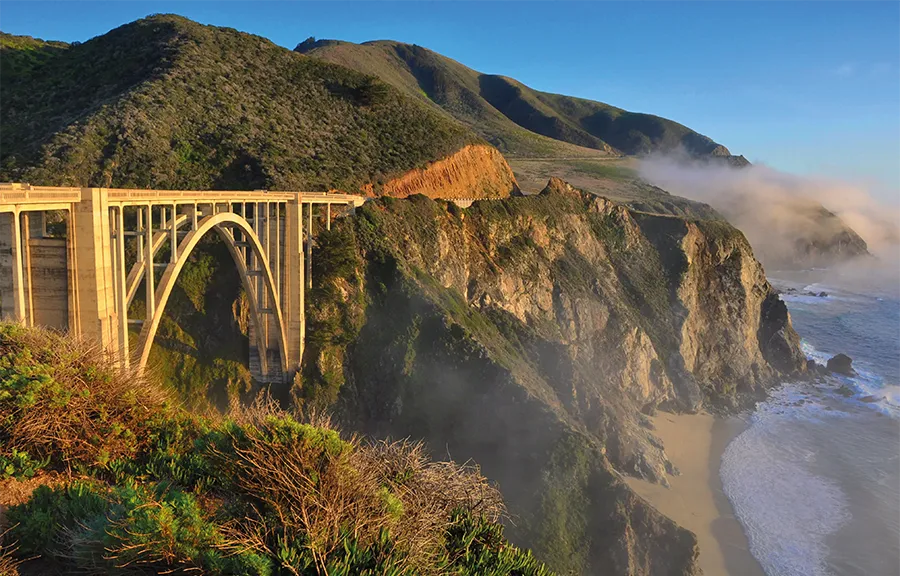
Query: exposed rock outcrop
<point>529,334</point>
<point>841,364</point>
<point>475,171</point>
<point>824,239</point>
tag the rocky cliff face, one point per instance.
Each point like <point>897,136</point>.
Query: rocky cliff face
<point>532,335</point>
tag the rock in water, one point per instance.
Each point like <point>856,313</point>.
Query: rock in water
<point>841,364</point>
<point>814,368</point>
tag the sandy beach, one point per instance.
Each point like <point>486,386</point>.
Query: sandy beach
<point>695,444</point>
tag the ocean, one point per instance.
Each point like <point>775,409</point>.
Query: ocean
<point>815,478</point>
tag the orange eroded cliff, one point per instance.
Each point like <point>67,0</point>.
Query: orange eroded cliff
<point>475,171</point>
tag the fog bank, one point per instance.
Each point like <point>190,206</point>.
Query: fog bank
<point>781,214</point>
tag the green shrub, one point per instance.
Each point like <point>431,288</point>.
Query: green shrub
<point>37,524</point>
<point>143,526</point>
<point>20,464</point>
<point>95,529</point>
<point>66,405</point>
<point>477,546</point>
<point>173,452</point>
<point>258,492</point>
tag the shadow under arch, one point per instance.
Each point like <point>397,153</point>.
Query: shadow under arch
<point>217,222</point>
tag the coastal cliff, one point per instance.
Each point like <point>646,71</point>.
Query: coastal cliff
<point>533,335</point>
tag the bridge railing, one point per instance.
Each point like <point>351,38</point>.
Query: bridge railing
<point>24,194</point>
<point>192,196</point>
<point>203,196</point>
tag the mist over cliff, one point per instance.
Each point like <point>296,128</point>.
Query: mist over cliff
<point>791,221</point>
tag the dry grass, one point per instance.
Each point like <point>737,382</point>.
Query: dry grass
<point>326,491</point>
<point>84,408</point>
<point>429,492</point>
<point>9,564</point>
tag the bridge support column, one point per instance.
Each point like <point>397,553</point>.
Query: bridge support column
<point>16,312</point>
<point>94,296</point>
<point>293,284</point>
<point>121,291</point>
<point>28,270</point>
<point>309,236</point>
<point>149,270</point>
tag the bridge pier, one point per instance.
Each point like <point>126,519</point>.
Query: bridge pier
<point>121,291</point>
<point>294,284</point>
<point>92,269</point>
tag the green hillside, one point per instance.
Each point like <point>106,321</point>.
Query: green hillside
<point>166,102</point>
<point>21,54</point>
<point>512,116</point>
<point>445,85</point>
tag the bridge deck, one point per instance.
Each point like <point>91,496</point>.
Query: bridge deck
<point>24,197</point>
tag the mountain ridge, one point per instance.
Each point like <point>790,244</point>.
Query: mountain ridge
<point>499,107</point>
<point>134,108</point>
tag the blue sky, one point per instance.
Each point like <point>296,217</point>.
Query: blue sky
<point>811,88</point>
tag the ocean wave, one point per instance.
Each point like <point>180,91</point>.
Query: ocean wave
<point>795,475</point>
<point>867,388</point>
<point>787,512</point>
<point>805,298</point>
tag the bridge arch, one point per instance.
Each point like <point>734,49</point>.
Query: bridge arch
<point>221,223</point>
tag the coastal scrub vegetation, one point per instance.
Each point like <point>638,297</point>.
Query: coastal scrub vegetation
<point>21,54</point>
<point>165,102</point>
<point>143,486</point>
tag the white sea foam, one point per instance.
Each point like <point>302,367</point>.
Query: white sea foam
<point>804,298</point>
<point>869,388</point>
<point>813,480</point>
<point>787,511</point>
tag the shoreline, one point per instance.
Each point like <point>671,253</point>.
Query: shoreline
<point>695,499</point>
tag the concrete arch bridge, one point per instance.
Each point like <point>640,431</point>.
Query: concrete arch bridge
<point>75,258</point>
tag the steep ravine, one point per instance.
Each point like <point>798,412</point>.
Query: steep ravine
<point>532,335</point>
